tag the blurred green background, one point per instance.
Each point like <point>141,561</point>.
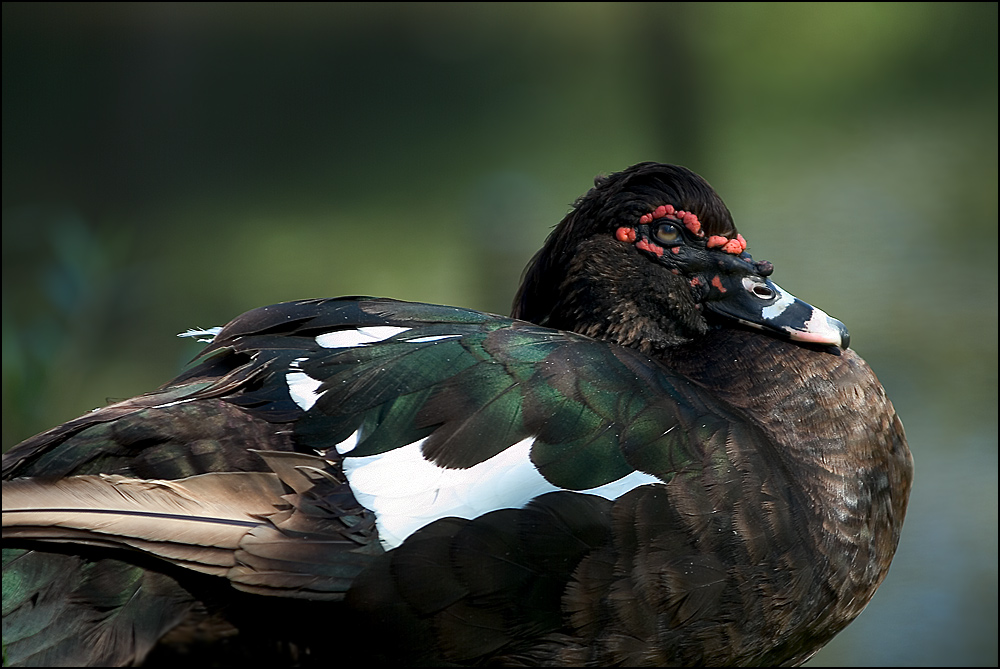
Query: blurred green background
<point>172,165</point>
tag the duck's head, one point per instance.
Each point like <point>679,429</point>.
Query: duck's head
<point>650,258</point>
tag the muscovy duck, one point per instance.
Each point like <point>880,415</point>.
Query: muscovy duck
<point>661,458</point>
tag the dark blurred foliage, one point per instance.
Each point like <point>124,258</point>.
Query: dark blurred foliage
<point>171,165</point>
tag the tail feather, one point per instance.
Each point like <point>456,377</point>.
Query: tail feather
<point>295,531</point>
<point>176,520</point>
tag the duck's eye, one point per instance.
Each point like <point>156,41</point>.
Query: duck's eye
<point>667,234</point>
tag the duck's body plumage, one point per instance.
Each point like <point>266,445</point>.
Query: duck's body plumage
<point>621,474</point>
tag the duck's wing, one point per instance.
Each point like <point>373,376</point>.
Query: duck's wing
<point>489,456</point>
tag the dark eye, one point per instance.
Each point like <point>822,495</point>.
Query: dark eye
<point>667,234</point>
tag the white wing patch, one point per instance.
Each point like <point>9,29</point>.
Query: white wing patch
<point>347,445</point>
<point>424,340</point>
<point>406,491</point>
<point>303,388</point>
<point>202,335</point>
<point>359,337</point>
<point>169,404</point>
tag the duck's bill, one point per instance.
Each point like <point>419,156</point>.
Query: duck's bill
<point>762,304</point>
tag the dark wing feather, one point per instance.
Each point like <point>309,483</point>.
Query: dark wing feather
<point>597,411</point>
<point>463,590</point>
<point>66,610</point>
